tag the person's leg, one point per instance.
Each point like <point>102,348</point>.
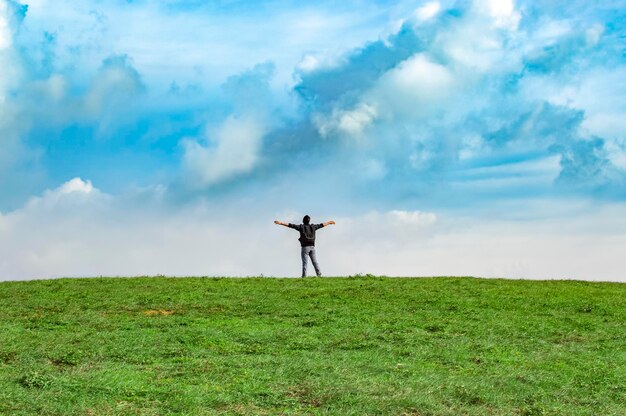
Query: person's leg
<point>303,254</point>
<point>318,272</point>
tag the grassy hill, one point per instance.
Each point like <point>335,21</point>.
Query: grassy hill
<point>330,346</point>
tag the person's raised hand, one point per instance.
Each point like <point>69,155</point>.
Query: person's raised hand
<point>331,222</point>
<point>276,222</point>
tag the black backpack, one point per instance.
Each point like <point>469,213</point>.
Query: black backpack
<point>307,235</point>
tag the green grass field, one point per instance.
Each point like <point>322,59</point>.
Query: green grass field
<point>331,346</point>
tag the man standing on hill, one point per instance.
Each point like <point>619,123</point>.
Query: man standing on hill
<point>307,241</point>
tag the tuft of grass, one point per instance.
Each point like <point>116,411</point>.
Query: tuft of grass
<point>35,379</point>
<point>318,346</point>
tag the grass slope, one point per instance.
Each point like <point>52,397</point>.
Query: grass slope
<point>341,346</point>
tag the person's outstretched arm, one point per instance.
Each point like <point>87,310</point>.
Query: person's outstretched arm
<point>281,223</point>
<point>328,223</point>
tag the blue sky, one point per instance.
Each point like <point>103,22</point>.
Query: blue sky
<point>452,117</point>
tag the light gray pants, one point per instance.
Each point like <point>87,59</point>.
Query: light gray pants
<point>306,252</point>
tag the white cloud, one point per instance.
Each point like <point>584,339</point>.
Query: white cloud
<point>477,47</point>
<point>411,218</point>
<point>352,123</point>
<point>75,185</point>
<point>502,12</point>
<point>75,192</point>
<point>234,151</point>
<point>427,11</point>
<point>419,77</point>
<point>413,89</point>
<point>311,62</point>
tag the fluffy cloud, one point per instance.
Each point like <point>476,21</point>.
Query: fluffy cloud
<point>349,122</point>
<point>233,148</point>
<point>233,151</point>
<point>74,192</point>
<point>411,90</point>
<point>414,87</point>
<point>427,10</point>
<point>502,12</point>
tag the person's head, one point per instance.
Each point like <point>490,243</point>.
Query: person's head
<point>306,219</point>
